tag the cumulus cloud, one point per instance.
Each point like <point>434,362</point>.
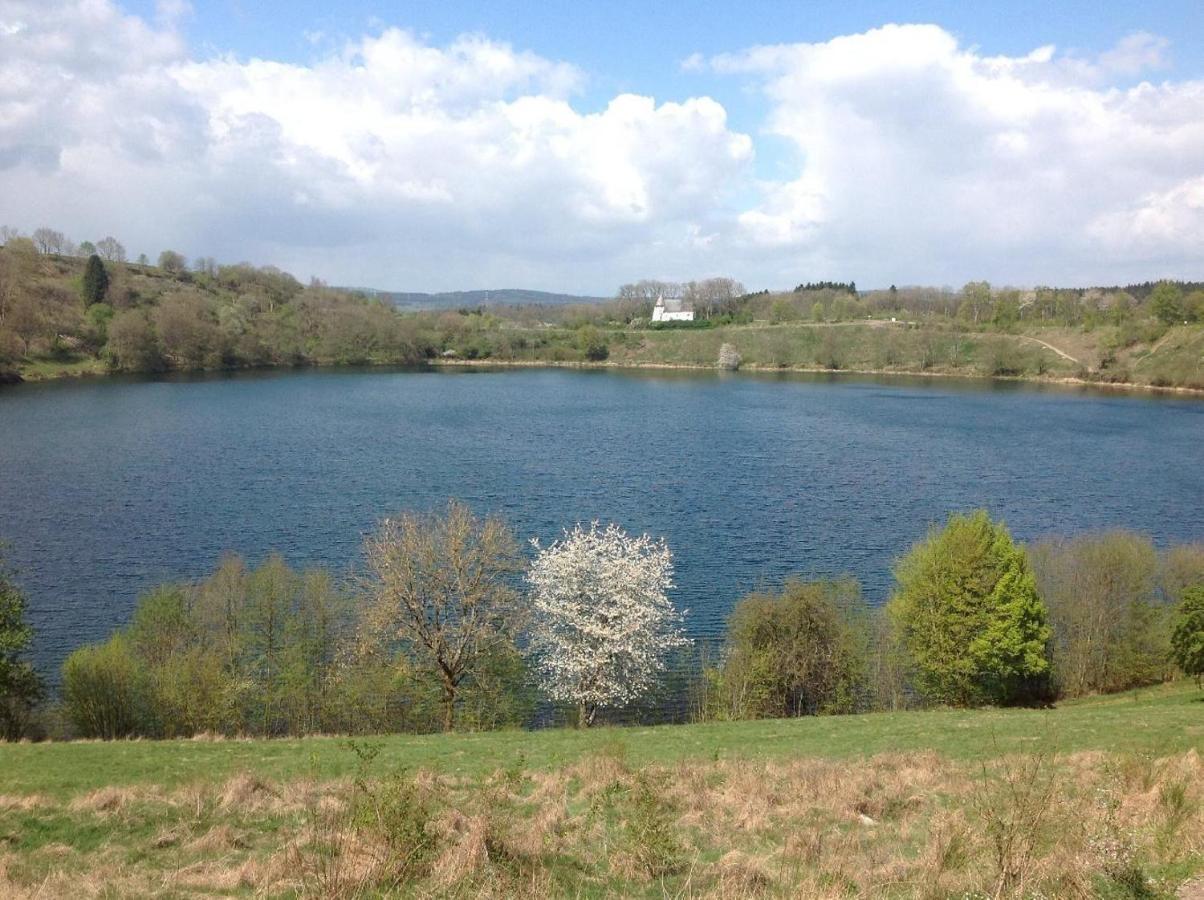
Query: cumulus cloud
<point>921,159</point>
<point>391,161</point>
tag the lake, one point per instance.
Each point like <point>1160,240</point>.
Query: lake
<point>109,486</point>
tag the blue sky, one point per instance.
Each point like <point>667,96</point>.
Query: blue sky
<point>574,146</point>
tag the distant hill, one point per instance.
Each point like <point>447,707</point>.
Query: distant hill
<point>459,299</point>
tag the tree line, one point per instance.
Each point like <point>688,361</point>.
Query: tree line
<point>63,303</point>
<point>450,627</point>
<point>138,317</point>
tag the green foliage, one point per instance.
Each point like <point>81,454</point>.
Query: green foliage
<point>272,651</point>
<point>967,610</point>
<point>1109,620</point>
<point>133,345</point>
<point>592,343</point>
<point>649,829</point>
<point>1187,638</point>
<point>1166,303</point>
<point>20,686</point>
<point>801,652</point>
<point>105,691</point>
<point>96,281</point>
<point>172,262</point>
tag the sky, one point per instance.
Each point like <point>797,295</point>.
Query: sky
<point>574,147</point>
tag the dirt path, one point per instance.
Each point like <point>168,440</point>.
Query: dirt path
<point>1048,346</point>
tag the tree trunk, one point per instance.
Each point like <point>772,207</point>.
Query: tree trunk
<point>449,705</point>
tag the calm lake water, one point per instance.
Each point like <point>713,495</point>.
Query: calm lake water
<point>108,487</point>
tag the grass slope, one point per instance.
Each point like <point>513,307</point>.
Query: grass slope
<point>1101,797</point>
<point>1161,720</point>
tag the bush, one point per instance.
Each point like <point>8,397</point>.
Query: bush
<point>1109,623</point>
<point>592,343</point>
<point>967,610</point>
<point>105,691</point>
<point>800,652</point>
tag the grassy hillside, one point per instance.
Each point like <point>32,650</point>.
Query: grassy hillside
<point>224,317</point>
<point>1101,797</point>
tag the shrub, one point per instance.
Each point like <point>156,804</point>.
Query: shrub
<point>105,691</point>
<point>800,652</point>
<point>592,343</point>
<point>1109,624</point>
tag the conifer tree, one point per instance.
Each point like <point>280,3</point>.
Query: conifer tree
<point>96,281</point>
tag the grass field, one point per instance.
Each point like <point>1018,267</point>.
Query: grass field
<point>1099,797</point>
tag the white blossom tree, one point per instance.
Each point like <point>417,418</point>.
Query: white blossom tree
<point>602,625</point>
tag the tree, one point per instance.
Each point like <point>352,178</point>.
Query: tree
<point>188,331</point>
<point>47,240</point>
<point>173,263</point>
<point>86,248</point>
<point>713,296</point>
<point>1187,639</point>
<point>442,585</point>
<point>20,686</point>
<point>1166,303</point>
<point>133,345</point>
<point>111,249</point>
<point>96,281</point>
<point>1109,624</point>
<point>976,302</point>
<point>602,623</point>
<point>967,610</point>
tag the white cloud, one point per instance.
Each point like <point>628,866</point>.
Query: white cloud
<point>391,161</point>
<point>920,159</point>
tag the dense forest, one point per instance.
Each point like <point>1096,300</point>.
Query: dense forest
<point>86,309</point>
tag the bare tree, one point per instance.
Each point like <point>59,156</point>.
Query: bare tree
<point>111,250</point>
<point>47,240</point>
<point>713,296</point>
<point>442,584</point>
<point>650,289</point>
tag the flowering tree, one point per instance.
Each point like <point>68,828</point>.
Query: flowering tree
<point>602,625</point>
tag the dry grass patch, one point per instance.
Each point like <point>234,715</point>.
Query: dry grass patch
<point>893,825</point>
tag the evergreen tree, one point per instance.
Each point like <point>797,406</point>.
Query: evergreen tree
<point>1187,640</point>
<point>967,610</point>
<point>96,281</point>
<point>20,687</point>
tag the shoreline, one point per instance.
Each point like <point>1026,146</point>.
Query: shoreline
<point>439,363</point>
<point>1064,381</point>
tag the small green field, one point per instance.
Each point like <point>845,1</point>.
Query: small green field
<point>1161,720</point>
<point>1101,797</point>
